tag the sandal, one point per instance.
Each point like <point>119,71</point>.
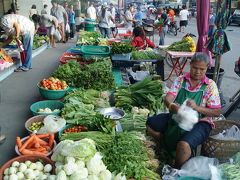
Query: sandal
<point>18,70</point>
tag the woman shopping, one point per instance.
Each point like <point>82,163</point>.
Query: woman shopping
<point>140,41</point>
<point>201,94</point>
<point>105,19</point>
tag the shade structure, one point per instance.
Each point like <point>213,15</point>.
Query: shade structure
<point>203,7</point>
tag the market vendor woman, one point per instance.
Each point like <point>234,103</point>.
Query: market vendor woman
<point>203,97</point>
<point>15,25</point>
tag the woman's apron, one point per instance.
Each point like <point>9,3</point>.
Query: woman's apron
<point>174,133</point>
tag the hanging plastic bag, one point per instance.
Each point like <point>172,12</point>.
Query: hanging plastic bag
<point>52,124</point>
<point>67,28</point>
<point>232,133</point>
<point>21,50</point>
<point>57,35</point>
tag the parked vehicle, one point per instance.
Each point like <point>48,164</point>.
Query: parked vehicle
<point>235,18</point>
<point>172,28</point>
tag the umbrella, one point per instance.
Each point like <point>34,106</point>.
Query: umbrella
<point>218,44</point>
<point>203,7</point>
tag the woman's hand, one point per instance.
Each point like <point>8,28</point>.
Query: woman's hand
<point>192,104</point>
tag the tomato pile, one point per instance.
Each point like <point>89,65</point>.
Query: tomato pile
<point>53,84</point>
<point>76,129</point>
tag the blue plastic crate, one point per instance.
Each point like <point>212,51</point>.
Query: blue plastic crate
<point>74,50</point>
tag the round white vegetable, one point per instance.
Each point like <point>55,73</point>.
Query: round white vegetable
<point>12,170</point>
<point>13,177</point>
<point>36,172</point>
<point>51,177</point>
<point>15,164</point>
<point>29,173</point>
<point>69,160</point>
<point>33,166</point>
<point>58,164</point>
<point>47,168</point>
<point>42,177</point>
<point>6,177</point>
<point>39,166</point>
<point>6,171</point>
<point>23,167</point>
<point>28,163</point>
<point>20,175</point>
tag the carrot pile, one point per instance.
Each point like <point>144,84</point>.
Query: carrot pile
<point>36,144</point>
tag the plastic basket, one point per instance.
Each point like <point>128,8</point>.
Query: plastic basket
<point>190,178</point>
<point>52,94</point>
<point>75,51</point>
<point>117,76</point>
<point>221,149</point>
<point>25,138</point>
<point>95,50</point>
<point>28,123</point>
<point>46,104</point>
<point>64,128</point>
<point>23,158</point>
<point>124,64</point>
<point>122,57</point>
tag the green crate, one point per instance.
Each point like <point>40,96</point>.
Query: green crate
<point>46,104</point>
<point>117,76</point>
<point>190,178</point>
<point>52,94</point>
<point>95,50</point>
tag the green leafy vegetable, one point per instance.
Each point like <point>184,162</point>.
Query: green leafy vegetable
<point>147,54</point>
<point>121,48</point>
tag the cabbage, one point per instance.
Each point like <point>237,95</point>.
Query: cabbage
<point>61,175</point>
<point>84,149</point>
<point>93,177</point>
<point>80,174</point>
<point>57,156</point>
<point>105,175</point>
<point>95,165</point>
<point>120,177</point>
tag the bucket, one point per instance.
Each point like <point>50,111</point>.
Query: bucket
<point>209,74</point>
<point>89,27</point>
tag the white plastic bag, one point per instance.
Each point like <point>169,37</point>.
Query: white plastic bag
<point>57,35</point>
<point>232,133</point>
<point>186,117</point>
<point>52,124</point>
<point>67,28</point>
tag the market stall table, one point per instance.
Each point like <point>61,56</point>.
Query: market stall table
<point>175,60</point>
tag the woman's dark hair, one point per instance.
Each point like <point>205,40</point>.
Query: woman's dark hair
<point>34,6</point>
<point>45,5</point>
<point>138,31</point>
<point>103,11</point>
<point>184,6</point>
<point>36,18</point>
<point>10,11</point>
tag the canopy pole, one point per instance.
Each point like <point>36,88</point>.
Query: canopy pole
<point>217,68</point>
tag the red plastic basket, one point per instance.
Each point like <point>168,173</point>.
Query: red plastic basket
<point>64,60</point>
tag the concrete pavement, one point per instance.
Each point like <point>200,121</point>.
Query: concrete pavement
<point>19,91</point>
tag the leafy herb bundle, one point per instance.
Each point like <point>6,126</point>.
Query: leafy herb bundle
<point>121,48</point>
<point>147,54</point>
<point>93,76</point>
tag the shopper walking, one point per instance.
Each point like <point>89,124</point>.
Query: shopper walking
<point>67,21</point>
<point>59,12</point>
<point>183,18</point>
<point>91,12</point>
<point>212,25</point>
<point>162,23</point>
<point>138,17</point>
<point>33,11</point>
<point>44,11</point>
<point>72,22</point>
<point>129,20</point>
<point>15,25</point>
<point>50,22</point>
<point>104,21</point>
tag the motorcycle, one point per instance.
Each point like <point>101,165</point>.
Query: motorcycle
<point>172,28</point>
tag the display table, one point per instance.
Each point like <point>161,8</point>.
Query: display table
<point>175,58</point>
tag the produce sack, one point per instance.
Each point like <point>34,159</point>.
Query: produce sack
<point>52,124</point>
<point>186,117</point>
<point>57,35</point>
<point>67,28</point>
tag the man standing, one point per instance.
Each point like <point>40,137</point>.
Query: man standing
<point>129,19</point>
<point>138,17</point>
<point>91,12</point>
<point>59,12</point>
<point>162,22</point>
<point>183,18</point>
<point>44,11</point>
<point>15,25</point>
<point>212,25</point>
<point>67,9</point>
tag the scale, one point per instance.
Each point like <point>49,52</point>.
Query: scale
<point>114,114</point>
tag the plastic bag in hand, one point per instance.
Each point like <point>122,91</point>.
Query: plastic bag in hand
<point>52,124</point>
<point>57,35</point>
<point>186,117</point>
<point>67,28</point>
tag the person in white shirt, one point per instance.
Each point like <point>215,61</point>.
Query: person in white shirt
<point>183,18</point>
<point>15,25</point>
<point>129,20</point>
<point>91,12</point>
<point>105,19</point>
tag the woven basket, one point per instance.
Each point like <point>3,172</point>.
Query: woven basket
<point>23,158</point>
<point>221,149</point>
